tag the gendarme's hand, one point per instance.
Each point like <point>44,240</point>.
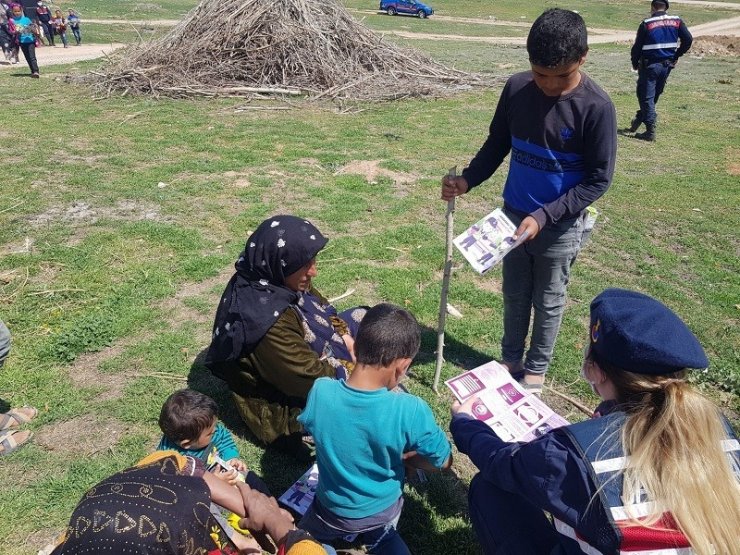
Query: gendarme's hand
<point>465,408</point>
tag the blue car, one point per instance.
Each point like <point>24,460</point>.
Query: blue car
<point>409,7</point>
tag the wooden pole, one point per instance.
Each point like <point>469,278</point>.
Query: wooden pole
<point>445,288</point>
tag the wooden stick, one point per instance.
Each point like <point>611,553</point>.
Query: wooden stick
<point>445,288</point>
<point>347,293</point>
<point>583,408</point>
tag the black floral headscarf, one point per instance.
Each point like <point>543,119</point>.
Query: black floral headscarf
<point>256,295</point>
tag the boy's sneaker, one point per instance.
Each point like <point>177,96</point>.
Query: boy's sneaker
<point>35,75</point>
<point>533,383</point>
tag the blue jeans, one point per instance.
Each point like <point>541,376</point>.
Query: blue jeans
<point>4,342</point>
<point>651,81</point>
<point>381,540</point>
<point>506,523</point>
<point>535,276</point>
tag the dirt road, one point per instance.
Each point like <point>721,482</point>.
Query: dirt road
<point>51,55</point>
<point>58,55</point>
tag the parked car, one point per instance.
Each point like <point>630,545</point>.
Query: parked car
<point>409,7</point>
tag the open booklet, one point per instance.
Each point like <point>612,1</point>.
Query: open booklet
<point>488,240</point>
<point>510,411</point>
<point>300,495</point>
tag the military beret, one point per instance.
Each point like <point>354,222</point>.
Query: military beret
<point>636,333</point>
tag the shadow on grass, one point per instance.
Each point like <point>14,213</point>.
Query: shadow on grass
<point>455,352</point>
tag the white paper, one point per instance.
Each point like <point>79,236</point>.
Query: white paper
<point>487,241</point>
<point>509,410</point>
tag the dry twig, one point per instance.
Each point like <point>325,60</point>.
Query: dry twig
<point>237,47</point>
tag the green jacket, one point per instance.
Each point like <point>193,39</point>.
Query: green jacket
<point>271,384</point>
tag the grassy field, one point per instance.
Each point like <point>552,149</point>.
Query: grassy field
<point>120,222</point>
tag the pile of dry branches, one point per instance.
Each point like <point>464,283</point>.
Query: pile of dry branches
<point>275,47</point>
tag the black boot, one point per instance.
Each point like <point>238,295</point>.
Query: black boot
<point>649,134</point>
<point>635,124</point>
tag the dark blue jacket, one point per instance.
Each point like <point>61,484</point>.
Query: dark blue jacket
<point>554,473</point>
<point>660,37</point>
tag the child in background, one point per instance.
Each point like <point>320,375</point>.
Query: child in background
<point>74,23</point>
<point>189,422</point>
<point>60,26</point>
<point>366,434</point>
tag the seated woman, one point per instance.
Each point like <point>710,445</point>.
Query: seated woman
<point>162,505</point>
<point>657,473</point>
<point>274,334</point>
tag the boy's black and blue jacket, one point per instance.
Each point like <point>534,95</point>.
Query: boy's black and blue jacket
<point>660,38</point>
<point>562,148</point>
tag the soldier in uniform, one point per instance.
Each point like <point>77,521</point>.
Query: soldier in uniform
<point>657,472</point>
<point>661,40</point>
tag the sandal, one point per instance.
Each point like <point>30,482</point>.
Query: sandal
<point>15,419</point>
<point>10,444</point>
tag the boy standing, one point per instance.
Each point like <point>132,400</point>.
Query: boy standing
<point>560,128</point>
<point>365,434</point>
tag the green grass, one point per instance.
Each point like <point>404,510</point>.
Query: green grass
<point>94,252</point>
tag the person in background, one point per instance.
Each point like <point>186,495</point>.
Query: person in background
<point>661,40</point>
<point>73,19</point>
<point>11,437</point>
<point>26,38</point>
<point>560,128</point>
<point>657,472</point>
<point>59,25</point>
<point>7,38</point>
<point>43,16</point>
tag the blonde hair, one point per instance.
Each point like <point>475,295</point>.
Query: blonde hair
<point>673,437</point>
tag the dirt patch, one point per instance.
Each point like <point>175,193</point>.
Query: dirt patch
<point>23,247</point>
<point>716,46</point>
<point>83,435</point>
<point>43,540</point>
<point>733,161</point>
<point>371,171</point>
<point>83,212</point>
<point>85,373</point>
<point>177,311</point>
<point>52,55</point>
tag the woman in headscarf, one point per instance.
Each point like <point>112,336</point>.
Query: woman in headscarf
<point>163,505</point>
<point>275,334</point>
<point>657,473</point>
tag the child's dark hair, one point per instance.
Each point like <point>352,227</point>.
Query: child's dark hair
<point>557,37</point>
<point>185,414</point>
<point>386,333</point>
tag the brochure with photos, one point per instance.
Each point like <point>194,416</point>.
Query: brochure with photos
<point>488,240</point>
<point>508,409</point>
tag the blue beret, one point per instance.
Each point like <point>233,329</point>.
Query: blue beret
<point>636,333</point>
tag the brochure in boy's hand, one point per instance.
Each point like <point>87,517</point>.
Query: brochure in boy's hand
<point>488,240</point>
<point>510,411</point>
